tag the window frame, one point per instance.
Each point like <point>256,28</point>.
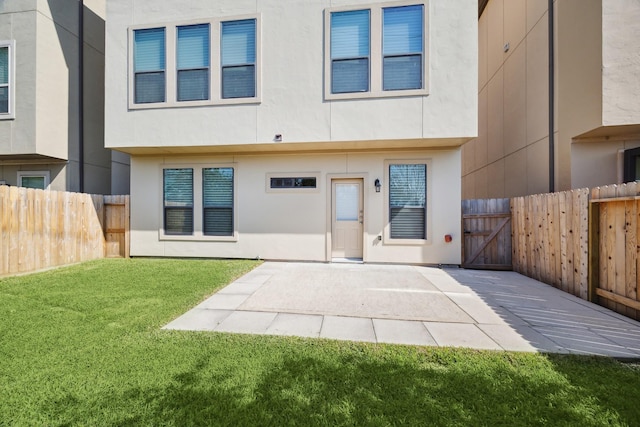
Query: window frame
<point>11,47</point>
<point>35,174</point>
<point>375,53</point>
<point>215,63</point>
<point>428,211</point>
<point>198,203</point>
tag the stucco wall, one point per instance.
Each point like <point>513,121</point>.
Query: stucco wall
<point>292,100</point>
<point>47,93</point>
<point>510,155</point>
<point>620,62</point>
<point>293,226</point>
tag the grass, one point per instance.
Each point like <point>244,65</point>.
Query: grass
<point>82,346</point>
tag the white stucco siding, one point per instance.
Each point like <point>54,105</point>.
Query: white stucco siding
<point>620,62</point>
<point>292,101</point>
<point>296,225</point>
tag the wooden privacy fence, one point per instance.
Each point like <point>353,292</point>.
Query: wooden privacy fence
<point>43,229</point>
<point>585,242</point>
<point>486,226</point>
<point>615,233</point>
<point>550,239</point>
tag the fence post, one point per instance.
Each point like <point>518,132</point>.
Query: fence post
<point>594,246</point>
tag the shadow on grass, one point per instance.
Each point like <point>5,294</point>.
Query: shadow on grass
<point>351,391</point>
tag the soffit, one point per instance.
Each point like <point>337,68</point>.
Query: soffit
<point>306,147</point>
<point>611,132</point>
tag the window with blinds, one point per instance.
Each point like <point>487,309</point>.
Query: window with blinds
<point>4,79</point>
<point>350,49</point>
<point>377,50</point>
<point>217,198</point>
<point>193,62</point>
<point>178,201</point>
<point>149,65</point>
<point>408,201</point>
<point>238,59</point>
<point>402,47</point>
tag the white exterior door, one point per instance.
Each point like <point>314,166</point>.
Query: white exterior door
<point>347,218</point>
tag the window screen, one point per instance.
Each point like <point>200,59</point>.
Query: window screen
<point>350,51</point>
<point>238,57</point>
<point>407,201</point>
<point>217,188</point>
<point>178,201</point>
<point>149,65</point>
<point>193,62</point>
<point>402,47</point>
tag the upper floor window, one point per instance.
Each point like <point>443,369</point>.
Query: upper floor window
<point>199,63</point>
<point>402,47</point>
<point>350,51</point>
<point>193,62</point>
<point>239,59</point>
<point>6,79</point>
<point>149,65</point>
<point>376,51</point>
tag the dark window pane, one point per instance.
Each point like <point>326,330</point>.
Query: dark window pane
<point>149,87</point>
<point>239,82</point>
<point>350,75</point>
<point>402,72</point>
<point>193,85</point>
<point>4,99</point>
<point>218,221</point>
<point>178,221</point>
<point>308,182</point>
<point>407,223</point>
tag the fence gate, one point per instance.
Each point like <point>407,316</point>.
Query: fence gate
<point>486,225</point>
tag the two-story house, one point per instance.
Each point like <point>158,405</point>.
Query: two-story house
<point>293,130</point>
<point>559,97</point>
<point>52,98</point>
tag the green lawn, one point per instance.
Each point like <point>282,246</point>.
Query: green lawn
<point>82,346</point>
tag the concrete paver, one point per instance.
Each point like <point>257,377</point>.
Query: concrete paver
<point>301,325</point>
<point>247,322</point>
<point>461,335</point>
<point>402,332</point>
<point>348,328</point>
<point>413,305</point>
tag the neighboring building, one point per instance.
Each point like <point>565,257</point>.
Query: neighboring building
<point>293,130</point>
<point>49,137</point>
<point>595,107</point>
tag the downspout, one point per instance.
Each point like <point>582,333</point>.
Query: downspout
<point>552,175</point>
<point>81,98</point>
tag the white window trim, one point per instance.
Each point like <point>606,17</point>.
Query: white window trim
<point>375,55</point>
<point>11,45</point>
<point>198,206</point>
<point>35,174</point>
<point>215,66</point>
<point>270,175</point>
<point>387,240</point>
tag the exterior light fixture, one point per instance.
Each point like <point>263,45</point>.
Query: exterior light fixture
<point>378,185</point>
<point>278,137</point>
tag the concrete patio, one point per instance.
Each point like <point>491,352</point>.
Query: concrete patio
<point>413,305</point>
